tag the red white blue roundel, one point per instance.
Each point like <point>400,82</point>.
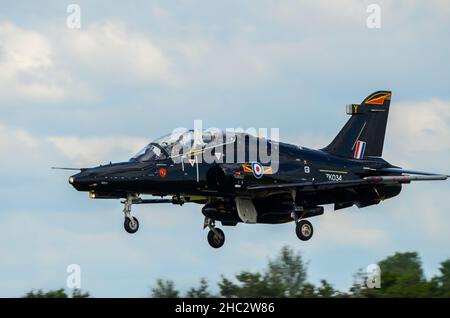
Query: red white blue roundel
<point>258,170</point>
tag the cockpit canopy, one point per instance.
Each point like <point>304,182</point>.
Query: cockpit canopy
<point>182,142</point>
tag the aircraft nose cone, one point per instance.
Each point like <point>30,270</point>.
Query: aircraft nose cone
<point>82,181</point>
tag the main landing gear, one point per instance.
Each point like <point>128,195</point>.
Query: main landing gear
<point>216,237</point>
<point>303,228</point>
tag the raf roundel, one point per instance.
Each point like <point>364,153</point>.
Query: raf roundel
<point>258,170</point>
<point>162,172</point>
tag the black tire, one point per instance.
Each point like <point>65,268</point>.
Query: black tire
<point>131,226</point>
<point>304,230</point>
<point>214,240</point>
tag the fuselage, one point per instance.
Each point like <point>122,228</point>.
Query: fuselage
<point>296,164</point>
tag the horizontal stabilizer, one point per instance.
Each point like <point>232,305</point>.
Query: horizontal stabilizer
<point>404,179</point>
<point>403,171</point>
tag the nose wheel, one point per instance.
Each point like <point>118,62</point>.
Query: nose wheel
<point>130,224</point>
<point>216,237</point>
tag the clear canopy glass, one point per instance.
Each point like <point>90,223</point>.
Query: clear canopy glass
<point>182,142</point>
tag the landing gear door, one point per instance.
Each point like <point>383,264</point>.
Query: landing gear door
<point>246,210</point>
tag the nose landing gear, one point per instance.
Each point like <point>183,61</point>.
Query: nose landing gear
<point>131,224</point>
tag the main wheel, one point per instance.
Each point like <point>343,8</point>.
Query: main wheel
<point>215,240</point>
<point>304,230</point>
<point>131,225</point>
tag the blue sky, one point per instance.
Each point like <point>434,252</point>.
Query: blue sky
<point>136,71</point>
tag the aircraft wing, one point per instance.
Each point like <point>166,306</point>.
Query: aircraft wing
<point>326,185</point>
<point>308,185</point>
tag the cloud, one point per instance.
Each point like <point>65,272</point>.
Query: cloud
<point>14,139</point>
<point>53,64</point>
<point>216,63</point>
<point>65,64</point>
<point>351,228</point>
<point>302,15</point>
<point>418,134</point>
<point>16,147</point>
<point>94,150</point>
<point>421,127</point>
<point>115,54</point>
<point>420,214</point>
<point>295,13</point>
<point>28,71</point>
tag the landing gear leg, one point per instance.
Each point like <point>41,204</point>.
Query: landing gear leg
<point>303,228</point>
<point>216,237</point>
<point>131,224</point>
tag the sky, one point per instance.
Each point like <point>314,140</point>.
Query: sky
<point>135,71</point>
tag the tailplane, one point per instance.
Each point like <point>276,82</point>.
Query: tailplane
<point>363,134</point>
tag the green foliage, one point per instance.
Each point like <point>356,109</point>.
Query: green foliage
<point>286,276</point>
<point>164,289</point>
<point>201,291</point>
<point>77,293</point>
<point>326,290</point>
<point>308,291</point>
<point>441,283</point>
<point>249,285</point>
<point>57,293</point>
<point>401,276</point>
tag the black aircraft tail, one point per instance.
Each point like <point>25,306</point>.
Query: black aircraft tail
<point>363,134</point>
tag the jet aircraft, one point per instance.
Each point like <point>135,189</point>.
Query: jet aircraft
<point>241,187</point>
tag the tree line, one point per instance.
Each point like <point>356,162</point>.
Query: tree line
<point>286,276</point>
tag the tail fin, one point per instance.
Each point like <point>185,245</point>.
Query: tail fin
<point>363,134</point>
